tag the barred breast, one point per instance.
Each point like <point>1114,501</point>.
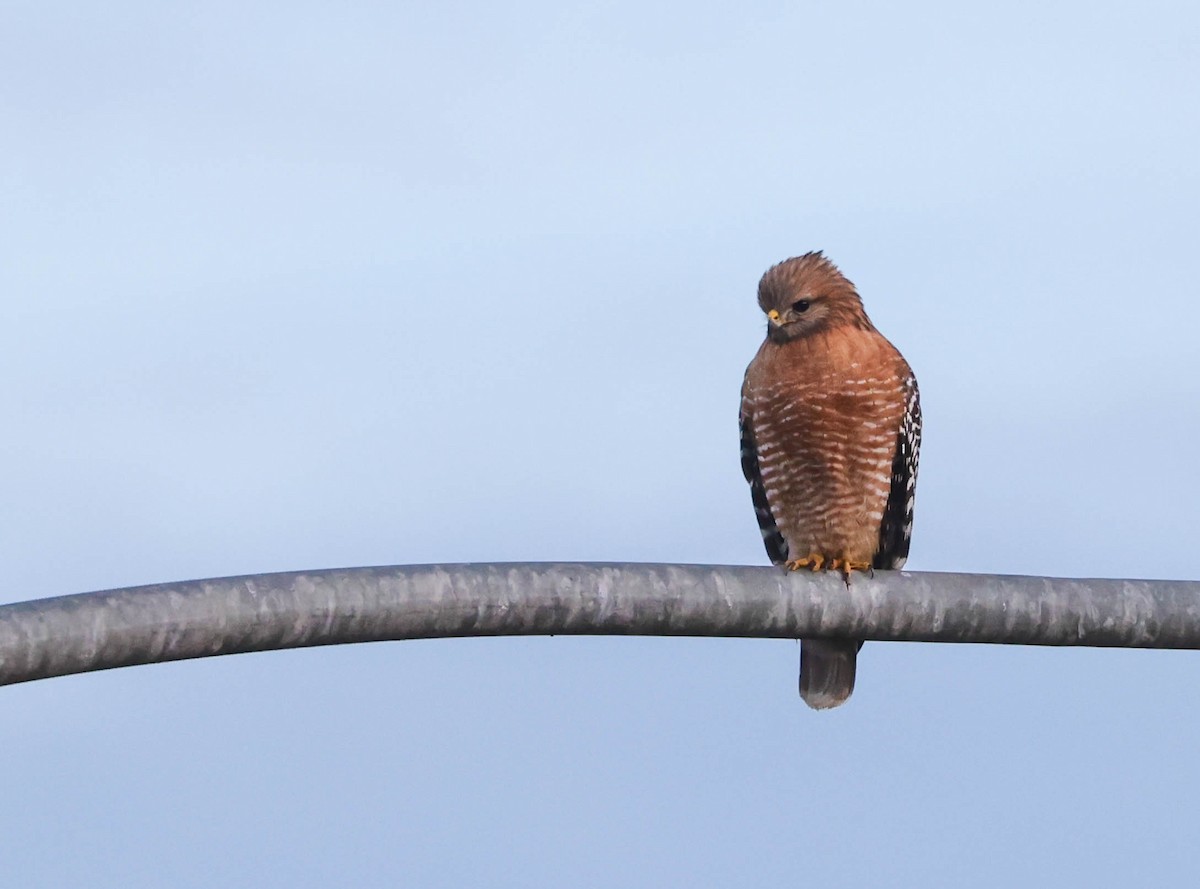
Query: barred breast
<point>827,413</point>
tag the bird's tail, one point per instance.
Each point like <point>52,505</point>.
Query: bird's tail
<point>827,671</point>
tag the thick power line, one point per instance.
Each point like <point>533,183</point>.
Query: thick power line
<point>173,621</point>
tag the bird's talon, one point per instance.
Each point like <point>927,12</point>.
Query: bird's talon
<point>848,566</point>
<point>815,562</point>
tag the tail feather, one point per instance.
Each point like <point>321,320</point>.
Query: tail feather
<point>827,671</point>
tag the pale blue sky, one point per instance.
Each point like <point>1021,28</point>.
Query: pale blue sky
<point>312,285</point>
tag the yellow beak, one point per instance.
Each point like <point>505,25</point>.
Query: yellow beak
<point>773,315</point>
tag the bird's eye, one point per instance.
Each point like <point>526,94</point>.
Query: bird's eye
<point>800,306</point>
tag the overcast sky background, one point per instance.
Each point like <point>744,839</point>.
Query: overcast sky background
<point>314,285</point>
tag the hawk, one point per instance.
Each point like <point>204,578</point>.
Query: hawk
<point>831,429</point>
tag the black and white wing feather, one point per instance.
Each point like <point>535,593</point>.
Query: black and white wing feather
<point>777,548</point>
<point>896,528</point>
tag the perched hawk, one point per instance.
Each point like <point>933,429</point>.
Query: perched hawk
<point>831,428</point>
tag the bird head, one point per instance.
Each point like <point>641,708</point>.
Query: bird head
<point>807,294</point>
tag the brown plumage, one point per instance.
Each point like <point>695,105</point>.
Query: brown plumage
<point>831,431</point>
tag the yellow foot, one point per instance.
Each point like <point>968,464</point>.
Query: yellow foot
<point>846,566</point>
<point>815,562</point>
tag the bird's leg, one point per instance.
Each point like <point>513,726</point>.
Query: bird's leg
<point>814,561</point>
<point>846,566</point>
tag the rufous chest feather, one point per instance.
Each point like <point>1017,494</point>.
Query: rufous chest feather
<point>835,378</point>
<point>826,414</point>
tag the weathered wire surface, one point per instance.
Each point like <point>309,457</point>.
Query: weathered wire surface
<point>202,618</point>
